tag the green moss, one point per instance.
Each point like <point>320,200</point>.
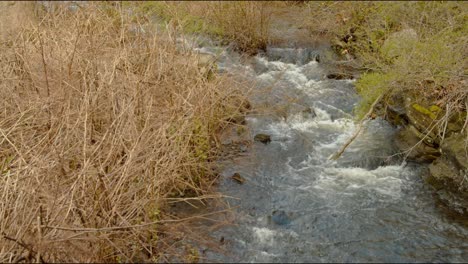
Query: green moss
<point>424,111</point>
<point>435,109</point>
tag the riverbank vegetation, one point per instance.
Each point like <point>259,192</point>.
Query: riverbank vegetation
<point>102,121</point>
<point>403,47</point>
<point>245,24</point>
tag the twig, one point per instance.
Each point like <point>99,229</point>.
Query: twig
<point>343,148</point>
<point>39,236</point>
<point>44,64</point>
<point>117,228</point>
<point>466,118</point>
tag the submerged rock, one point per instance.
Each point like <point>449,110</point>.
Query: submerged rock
<point>281,217</point>
<point>264,138</point>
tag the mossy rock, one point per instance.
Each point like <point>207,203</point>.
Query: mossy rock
<point>423,119</point>
<point>431,111</point>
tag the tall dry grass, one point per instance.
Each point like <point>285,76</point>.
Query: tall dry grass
<point>101,122</point>
<point>245,23</point>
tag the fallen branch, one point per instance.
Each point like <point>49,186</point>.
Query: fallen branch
<point>361,123</point>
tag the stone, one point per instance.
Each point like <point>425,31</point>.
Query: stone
<point>422,119</point>
<point>281,217</point>
<point>407,140</point>
<point>455,147</point>
<point>309,112</point>
<point>238,178</point>
<point>443,169</point>
<point>264,138</point>
<point>340,76</point>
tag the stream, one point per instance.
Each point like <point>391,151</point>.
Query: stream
<point>298,206</point>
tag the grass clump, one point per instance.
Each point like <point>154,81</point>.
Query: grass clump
<point>99,124</point>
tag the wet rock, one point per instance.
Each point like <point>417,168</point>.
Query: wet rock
<point>309,112</point>
<point>340,76</point>
<point>238,178</point>
<point>442,171</point>
<point>406,140</point>
<point>264,138</point>
<point>456,201</point>
<point>451,168</point>
<point>317,58</point>
<point>281,217</point>
<point>296,108</point>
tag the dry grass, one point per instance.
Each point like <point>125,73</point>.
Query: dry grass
<point>246,23</point>
<point>99,125</point>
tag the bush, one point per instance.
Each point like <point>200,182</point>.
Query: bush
<point>100,123</point>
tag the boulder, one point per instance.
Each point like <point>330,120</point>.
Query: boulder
<point>456,147</point>
<point>406,140</point>
<point>281,217</point>
<point>423,119</point>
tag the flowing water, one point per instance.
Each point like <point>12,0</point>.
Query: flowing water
<point>298,206</point>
